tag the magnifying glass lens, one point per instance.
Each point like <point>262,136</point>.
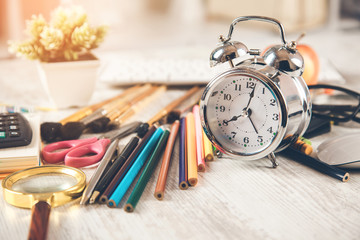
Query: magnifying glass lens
<point>46,183</point>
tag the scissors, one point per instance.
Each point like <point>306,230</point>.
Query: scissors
<point>84,152</point>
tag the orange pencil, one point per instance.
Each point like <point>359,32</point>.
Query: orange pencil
<point>191,149</point>
<point>161,182</point>
<point>208,152</point>
<point>199,141</point>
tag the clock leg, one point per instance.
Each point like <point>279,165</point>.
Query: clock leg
<point>272,158</point>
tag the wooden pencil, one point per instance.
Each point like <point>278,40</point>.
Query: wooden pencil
<point>208,151</point>
<point>183,179</point>
<point>161,181</point>
<point>200,160</point>
<point>125,167</point>
<point>130,176</point>
<point>146,174</point>
<point>191,149</point>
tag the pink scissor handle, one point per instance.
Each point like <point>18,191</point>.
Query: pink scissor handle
<point>51,155</point>
<point>78,156</point>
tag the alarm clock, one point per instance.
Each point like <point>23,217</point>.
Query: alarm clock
<point>259,106</point>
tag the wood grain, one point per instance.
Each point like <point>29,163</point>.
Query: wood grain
<point>39,221</point>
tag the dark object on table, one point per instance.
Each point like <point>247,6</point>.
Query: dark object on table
<point>15,130</point>
<point>317,127</point>
<point>316,164</point>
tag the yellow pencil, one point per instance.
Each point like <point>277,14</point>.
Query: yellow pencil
<point>191,149</point>
<point>208,152</point>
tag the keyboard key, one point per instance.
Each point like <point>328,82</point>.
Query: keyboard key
<point>2,135</point>
<point>14,134</point>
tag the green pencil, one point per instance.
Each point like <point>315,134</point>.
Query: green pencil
<point>146,174</point>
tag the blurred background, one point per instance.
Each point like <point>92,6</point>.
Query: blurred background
<point>332,26</point>
<point>159,23</point>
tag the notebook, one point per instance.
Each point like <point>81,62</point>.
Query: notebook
<point>17,158</point>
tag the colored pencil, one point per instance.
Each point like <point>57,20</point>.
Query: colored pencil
<point>191,149</point>
<point>200,160</point>
<point>161,181</point>
<point>146,174</point>
<point>105,161</point>
<point>126,166</point>
<point>115,167</point>
<point>183,179</point>
<point>124,185</point>
<point>208,151</point>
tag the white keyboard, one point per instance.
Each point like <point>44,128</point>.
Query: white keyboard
<point>133,68</point>
<point>125,70</point>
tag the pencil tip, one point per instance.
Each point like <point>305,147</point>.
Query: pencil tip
<point>111,204</point>
<point>129,208</point>
<point>159,195</point>
<point>183,185</point>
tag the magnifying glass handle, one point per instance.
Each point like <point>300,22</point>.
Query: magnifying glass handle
<point>40,213</point>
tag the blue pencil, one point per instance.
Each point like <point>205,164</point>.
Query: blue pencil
<point>183,183</point>
<point>124,185</point>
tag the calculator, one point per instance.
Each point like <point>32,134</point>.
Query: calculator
<point>15,130</point>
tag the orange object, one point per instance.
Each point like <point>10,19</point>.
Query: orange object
<point>312,64</point>
<point>161,182</point>
<point>208,151</point>
<point>191,149</point>
<point>199,141</point>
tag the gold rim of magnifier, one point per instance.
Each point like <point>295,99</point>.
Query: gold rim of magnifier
<point>27,200</point>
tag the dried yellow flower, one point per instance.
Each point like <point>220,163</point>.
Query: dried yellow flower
<point>83,36</point>
<point>35,26</point>
<point>51,38</point>
<point>67,35</point>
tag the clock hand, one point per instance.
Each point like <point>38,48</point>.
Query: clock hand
<point>234,118</point>
<point>252,123</point>
<point>251,97</point>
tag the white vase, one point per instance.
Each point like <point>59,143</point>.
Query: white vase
<point>70,83</point>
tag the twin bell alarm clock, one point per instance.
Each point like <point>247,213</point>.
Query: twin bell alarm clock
<point>259,106</point>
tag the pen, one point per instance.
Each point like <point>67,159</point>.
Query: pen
<point>124,185</point>
<point>125,167</point>
<point>99,171</point>
<point>183,179</point>
<point>146,174</point>
<point>161,181</point>
<point>316,164</point>
<point>109,175</point>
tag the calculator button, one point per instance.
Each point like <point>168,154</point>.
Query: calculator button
<point>2,118</point>
<point>2,123</point>
<point>2,129</point>
<point>13,122</point>
<point>12,118</point>
<point>2,135</point>
<point>14,134</point>
<point>13,127</point>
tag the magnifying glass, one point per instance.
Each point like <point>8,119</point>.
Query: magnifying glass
<point>41,188</point>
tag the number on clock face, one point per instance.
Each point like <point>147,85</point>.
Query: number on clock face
<point>244,114</point>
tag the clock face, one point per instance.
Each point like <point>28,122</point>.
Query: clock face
<point>243,114</point>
